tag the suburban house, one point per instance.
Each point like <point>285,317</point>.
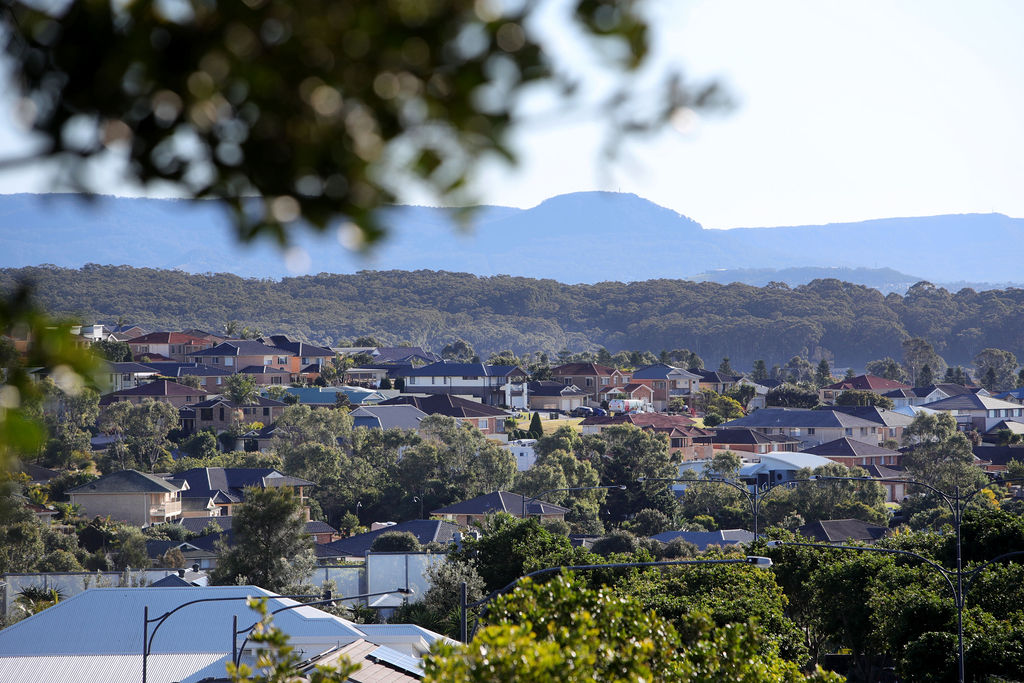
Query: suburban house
<point>220,413</point>
<point>680,431</point>
<point>476,509</point>
<point>267,375</point>
<point>373,374</point>
<point>241,353</point>
<point>748,440</point>
<point>777,468</point>
<point>355,547</point>
<point>715,381</point>
<point>552,395</point>
<point>977,412</point>
<point>634,391</point>
<point>97,635</point>
<point>305,358</point>
<point>590,377</point>
<point>225,487</point>
<point>842,530</point>
<point>174,345</point>
<point>849,452</point>
<point>667,382</point>
<point>210,378</point>
<point>388,417</point>
<point>120,376</point>
<point>877,385</point>
<point>811,427</point>
<point>760,398</point>
<point>891,423</point>
<point>130,496</point>
<point>488,419</point>
<point>702,539</point>
<point>522,451</point>
<point>919,396</point>
<point>492,384</point>
<point>895,491</point>
<point>165,391</point>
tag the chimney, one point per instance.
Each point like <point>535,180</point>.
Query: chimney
<point>181,573</point>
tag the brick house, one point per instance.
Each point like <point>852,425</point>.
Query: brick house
<point>174,345</point>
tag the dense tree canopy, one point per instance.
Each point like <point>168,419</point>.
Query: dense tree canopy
<point>853,323</point>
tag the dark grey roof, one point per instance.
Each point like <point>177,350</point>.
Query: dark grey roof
<point>839,530</point>
<point>161,387</point>
<point>655,371</point>
<point>553,388</point>
<point>170,581</point>
<point>798,418</point>
<point>877,415</point>
<point>847,447</point>
<point>297,348</point>
<point>229,482</point>
<point>702,539</point>
<point>403,354</point>
<point>387,417</point>
<point>263,370</point>
<point>126,481</point>
<point>446,404</point>
<point>971,402</point>
<point>241,347</point>
<point>262,402</point>
<point>157,547</point>
<point>425,531</point>
<point>885,471</point>
<point>128,367</point>
<point>447,369</point>
<point>999,455</point>
<point>175,369</point>
<point>500,501</point>
<point>744,435</point>
<point>714,376</point>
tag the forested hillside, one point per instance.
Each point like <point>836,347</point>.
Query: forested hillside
<point>849,323</point>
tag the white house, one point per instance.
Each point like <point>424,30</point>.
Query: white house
<point>492,384</point>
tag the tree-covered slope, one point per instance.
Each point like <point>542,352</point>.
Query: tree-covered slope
<point>852,322</point>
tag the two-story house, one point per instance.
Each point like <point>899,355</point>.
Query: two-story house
<point>591,378</point>
<point>492,384</point>
<point>850,452</point>
<point>210,378</point>
<point>222,489</point>
<point>811,427</point>
<point>306,359</point>
<point>236,354</point>
<point>165,391</point>
<point>130,496</point>
<point>219,413</point>
<point>977,412</point>
<point>919,396</point>
<point>174,345</point>
<point>715,381</point>
<point>488,419</point>
<point>117,376</point>
<point>667,382</point>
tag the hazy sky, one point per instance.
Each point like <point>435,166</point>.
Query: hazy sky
<point>844,111</point>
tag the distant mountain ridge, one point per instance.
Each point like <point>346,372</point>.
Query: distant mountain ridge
<point>584,237</point>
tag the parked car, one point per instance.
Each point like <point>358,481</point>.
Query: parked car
<point>582,411</point>
<point>600,412</point>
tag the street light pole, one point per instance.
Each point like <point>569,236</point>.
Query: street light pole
<point>621,487</point>
<point>465,606</point>
<point>956,503</point>
<point>958,589</point>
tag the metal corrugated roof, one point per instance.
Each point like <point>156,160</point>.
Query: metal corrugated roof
<point>187,668</point>
<point>109,622</point>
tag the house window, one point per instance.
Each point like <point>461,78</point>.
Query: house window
<point>275,380</point>
<point>221,413</point>
<point>268,360</point>
<point>266,412</point>
<point>810,431</point>
<point>604,381</point>
<point>863,431</point>
<point>305,361</point>
<point>283,360</point>
<point>229,362</point>
<point>218,381</point>
<point>481,424</point>
<point>849,431</point>
<point>659,385</point>
<point>188,399</point>
<point>590,381</point>
<point>206,414</point>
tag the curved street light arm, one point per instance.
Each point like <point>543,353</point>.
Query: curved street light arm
<point>887,551</point>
